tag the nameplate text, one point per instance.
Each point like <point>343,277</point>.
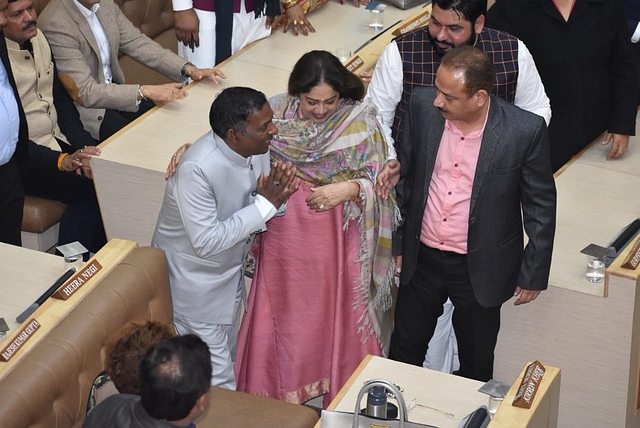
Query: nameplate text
<point>20,339</point>
<point>354,64</point>
<point>419,21</point>
<point>529,385</point>
<point>633,258</point>
<point>74,283</point>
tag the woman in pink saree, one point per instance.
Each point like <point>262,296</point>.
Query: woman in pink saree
<point>321,291</point>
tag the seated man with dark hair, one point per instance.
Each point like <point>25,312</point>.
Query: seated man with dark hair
<point>59,146</point>
<point>175,378</point>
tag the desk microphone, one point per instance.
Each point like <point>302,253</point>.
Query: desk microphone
<point>35,305</point>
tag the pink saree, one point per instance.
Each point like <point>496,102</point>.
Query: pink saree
<point>321,289</point>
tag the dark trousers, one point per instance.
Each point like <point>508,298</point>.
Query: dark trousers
<point>11,203</point>
<point>440,275</point>
<point>115,120</point>
<point>81,220</point>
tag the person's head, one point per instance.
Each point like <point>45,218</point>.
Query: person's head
<point>455,23</point>
<point>21,21</point>
<point>3,16</point>
<point>243,118</point>
<point>464,82</point>
<point>175,377</point>
<point>127,349</point>
<point>320,80</point>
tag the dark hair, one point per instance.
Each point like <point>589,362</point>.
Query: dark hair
<point>317,67</point>
<point>174,374</point>
<point>232,107</point>
<point>127,349</point>
<point>469,10</point>
<point>479,72</point>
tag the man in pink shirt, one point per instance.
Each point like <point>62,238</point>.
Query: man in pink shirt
<point>473,166</point>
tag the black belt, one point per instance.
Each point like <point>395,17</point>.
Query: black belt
<point>444,253</point>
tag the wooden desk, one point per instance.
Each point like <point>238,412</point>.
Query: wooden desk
<point>444,400</point>
<point>26,274</point>
<point>129,175</point>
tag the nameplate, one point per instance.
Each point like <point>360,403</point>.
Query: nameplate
<point>74,283</point>
<point>529,385</point>
<point>23,335</point>
<point>419,21</point>
<point>354,64</point>
<point>633,258</point>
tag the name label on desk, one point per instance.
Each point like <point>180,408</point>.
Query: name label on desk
<point>419,21</point>
<point>25,334</point>
<point>74,283</point>
<point>529,385</point>
<point>633,258</point>
<point>354,64</point>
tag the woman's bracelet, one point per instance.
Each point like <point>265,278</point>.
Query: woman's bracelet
<point>288,4</point>
<point>60,159</point>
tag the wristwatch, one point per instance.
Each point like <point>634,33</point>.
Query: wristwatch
<point>183,71</point>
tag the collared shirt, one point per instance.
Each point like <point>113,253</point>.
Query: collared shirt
<point>101,38</point>
<point>9,117</point>
<point>445,223</point>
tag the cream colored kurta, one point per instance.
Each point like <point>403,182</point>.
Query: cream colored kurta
<point>34,76</point>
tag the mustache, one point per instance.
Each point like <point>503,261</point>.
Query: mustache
<point>445,42</point>
<point>28,25</point>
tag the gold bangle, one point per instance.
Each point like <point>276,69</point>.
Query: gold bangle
<point>288,5</point>
<point>60,159</point>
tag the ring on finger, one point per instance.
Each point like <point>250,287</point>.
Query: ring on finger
<point>276,183</point>
<point>321,206</point>
<point>295,22</point>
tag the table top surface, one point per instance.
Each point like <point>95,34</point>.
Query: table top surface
<point>596,199</point>
<point>265,65</point>
<point>441,399</point>
<point>26,274</point>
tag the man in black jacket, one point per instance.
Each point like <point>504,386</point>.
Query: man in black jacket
<point>13,147</point>
<point>585,59</point>
<point>54,125</point>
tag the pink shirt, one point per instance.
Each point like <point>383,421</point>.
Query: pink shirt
<point>445,222</point>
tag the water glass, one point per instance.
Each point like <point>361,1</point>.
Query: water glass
<point>494,403</point>
<point>595,269</point>
<point>343,54</point>
<point>376,19</point>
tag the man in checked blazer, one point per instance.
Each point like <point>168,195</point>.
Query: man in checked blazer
<point>473,166</point>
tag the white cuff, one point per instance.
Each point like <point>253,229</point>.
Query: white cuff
<point>266,208</point>
<point>179,5</point>
<point>636,34</point>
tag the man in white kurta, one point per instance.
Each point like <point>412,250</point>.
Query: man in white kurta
<point>213,207</point>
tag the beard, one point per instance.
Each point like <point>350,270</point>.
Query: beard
<point>471,41</point>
